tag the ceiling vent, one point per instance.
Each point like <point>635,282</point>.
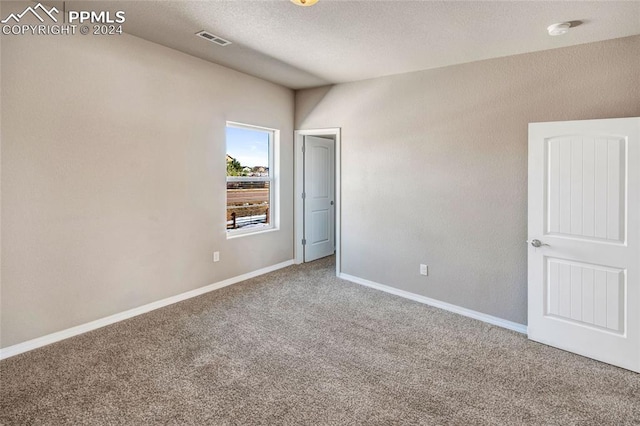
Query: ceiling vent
<point>213,38</point>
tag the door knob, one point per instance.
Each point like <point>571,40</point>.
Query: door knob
<point>332,203</point>
<point>537,243</point>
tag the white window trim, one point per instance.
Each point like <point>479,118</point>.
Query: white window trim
<point>274,187</point>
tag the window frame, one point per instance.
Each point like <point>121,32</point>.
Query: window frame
<point>274,199</point>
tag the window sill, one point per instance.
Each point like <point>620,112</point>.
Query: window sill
<point>237,234</point>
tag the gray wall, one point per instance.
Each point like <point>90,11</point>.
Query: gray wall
<point>113,177</point>
<point>434,164</point>
<point>112,172</point>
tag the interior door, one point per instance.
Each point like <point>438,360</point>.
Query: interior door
<point>319,190</point>
<point>584,238</point>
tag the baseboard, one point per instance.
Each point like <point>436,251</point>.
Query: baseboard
<point>520,328</point>
<point>29,345</point>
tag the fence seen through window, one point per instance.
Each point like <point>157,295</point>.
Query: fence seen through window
<point>249,177</point>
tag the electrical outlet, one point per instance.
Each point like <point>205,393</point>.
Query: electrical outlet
<point>424,269</point>
<point>216,256</point>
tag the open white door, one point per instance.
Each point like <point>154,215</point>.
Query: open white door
<point>584,238</point>
<point>319,200</point>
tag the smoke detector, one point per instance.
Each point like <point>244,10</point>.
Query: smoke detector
<point>559,29</point>
<point>213,38</point>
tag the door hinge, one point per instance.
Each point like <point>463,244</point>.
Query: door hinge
<point>304,195</point>
<point>303,148</point>
<point>304,242</point>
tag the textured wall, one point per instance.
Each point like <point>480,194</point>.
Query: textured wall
<point>434,164</point>
<point>113,177</point>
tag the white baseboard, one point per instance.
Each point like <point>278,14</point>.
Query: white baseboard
<point>520,328</point>
<point>19,348</point>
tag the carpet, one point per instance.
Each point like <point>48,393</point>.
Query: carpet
<point>301,347</point>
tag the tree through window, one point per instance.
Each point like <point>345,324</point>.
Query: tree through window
<point>250,178</point>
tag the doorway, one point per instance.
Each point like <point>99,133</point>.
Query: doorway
<point>317,194</point>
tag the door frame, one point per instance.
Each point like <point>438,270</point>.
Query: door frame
<point>298,222</point>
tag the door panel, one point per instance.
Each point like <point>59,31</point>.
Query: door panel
<point>319,187</point>
<point>586,187</point>
<point>584,205</point>
<point>319,227</point>
<point>584,293</point>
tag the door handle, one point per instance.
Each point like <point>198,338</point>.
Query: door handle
<point>537,243</point>
<point>332,203</point>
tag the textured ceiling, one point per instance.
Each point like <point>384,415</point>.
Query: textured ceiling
<point>339,41</point>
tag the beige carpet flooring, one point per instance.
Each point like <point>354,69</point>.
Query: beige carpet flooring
<point>301,347</point>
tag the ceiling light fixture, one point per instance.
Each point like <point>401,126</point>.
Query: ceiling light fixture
<point>559,29</point>
<point>304,2</point>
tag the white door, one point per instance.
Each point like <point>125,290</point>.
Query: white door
<point>584,216</point>
<point>319,203</point>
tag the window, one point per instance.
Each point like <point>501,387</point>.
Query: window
<point>251,187</point>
